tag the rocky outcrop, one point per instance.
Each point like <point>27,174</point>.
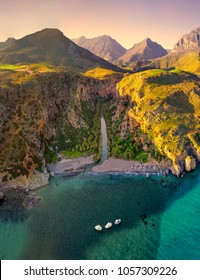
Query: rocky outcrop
<point>190,41</point>
<point>190,163</point>
<point>33,181</point>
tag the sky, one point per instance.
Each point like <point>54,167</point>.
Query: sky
<point>127,21</point>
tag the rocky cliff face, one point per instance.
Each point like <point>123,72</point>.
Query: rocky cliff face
<point>166,107</point>
<point>190,41</point>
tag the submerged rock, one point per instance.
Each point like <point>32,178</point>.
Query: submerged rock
<point>31,201</point>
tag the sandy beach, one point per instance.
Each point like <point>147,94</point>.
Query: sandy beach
<point>110,165</point>
<point>70,166</point>
<point>120,165</point>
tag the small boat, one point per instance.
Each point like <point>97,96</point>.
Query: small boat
<point>118,221</point>
<point>98,227</point>
<point>108,225</point>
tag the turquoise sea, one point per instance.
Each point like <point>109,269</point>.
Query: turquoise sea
<point>160,219</point>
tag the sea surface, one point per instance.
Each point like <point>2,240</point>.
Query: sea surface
<point>160,219</point>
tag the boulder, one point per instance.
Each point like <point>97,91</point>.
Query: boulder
<point>190,163</point>
<point>176,169</point>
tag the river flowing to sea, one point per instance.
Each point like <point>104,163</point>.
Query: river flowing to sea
<point>160,219</point>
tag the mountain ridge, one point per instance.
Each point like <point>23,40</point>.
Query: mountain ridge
<point>52,46</point>
<point>144,50</point>
<point>103,46</point>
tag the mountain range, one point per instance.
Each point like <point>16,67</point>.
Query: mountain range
<point>109,49</point>
<point>52,47</point>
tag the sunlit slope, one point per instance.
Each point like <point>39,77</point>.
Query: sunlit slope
<point>102,73</point>
<point>167,107</point>
<point>188,61</point>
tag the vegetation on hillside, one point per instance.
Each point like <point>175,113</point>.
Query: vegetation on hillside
<point>166,104</point>
<point>187,61</point>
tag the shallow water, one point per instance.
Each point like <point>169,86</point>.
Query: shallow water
<point>158,215</point>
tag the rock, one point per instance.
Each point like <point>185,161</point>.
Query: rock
<point>188,42</point>
<point>52,174</point>
<point>2,196</point>
<point>176,169</point>
<point>190,163</point>
<point>31,201</point>
<point>33,181</point>
<point>198,154</point>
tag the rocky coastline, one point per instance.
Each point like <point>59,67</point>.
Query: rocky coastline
<point>24,187</point>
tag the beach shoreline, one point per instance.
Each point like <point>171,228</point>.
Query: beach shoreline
<point>115,165</point>
<point>111,165</point>
<point>70,166</point>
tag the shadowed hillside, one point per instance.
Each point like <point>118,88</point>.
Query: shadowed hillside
<point>52,47</point>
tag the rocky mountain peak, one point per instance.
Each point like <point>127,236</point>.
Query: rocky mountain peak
<point>104,46</point>
<point>190,41</point>
<point>145,50</point>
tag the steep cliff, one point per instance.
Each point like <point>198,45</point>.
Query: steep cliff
<point>166,106</point>
<point>188,42</point>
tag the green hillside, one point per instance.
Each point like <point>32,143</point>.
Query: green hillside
<point>188,61</point>
<point>166,104</point>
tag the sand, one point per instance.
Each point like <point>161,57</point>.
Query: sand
<point>68,166</point>
<point>120,165</point>
<point>110,165</point>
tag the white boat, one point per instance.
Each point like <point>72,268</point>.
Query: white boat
<point>118,221</point>
<point>98,227</point>
<point>108,225</point>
